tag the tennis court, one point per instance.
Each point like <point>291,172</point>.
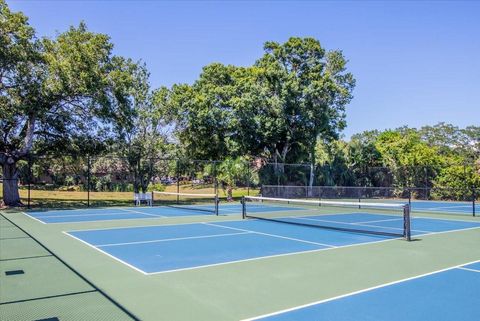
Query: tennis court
<point>155,249</point>
<point>445,207</point>
<point>121,213</point>
<point>449,294</point>
<point>261,259</point>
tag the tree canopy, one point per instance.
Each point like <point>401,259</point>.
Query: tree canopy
<point>56,94</point>
<point>293,95</point>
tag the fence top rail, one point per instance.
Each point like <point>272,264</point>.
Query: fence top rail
<point>371,187</point>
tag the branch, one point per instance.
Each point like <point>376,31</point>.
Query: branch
<point>29,136</point>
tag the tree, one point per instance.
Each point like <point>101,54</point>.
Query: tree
<point>334,168</point>
<point>140,135</point>
<point>411,160</point>
<point>229,171</point>
<point>363,158</point>
<point>19,58</point>
<point>217,116</point>
<point>293,95</point>
<point>310,89</point>
<point>53,91</point>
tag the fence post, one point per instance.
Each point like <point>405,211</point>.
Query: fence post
<point>178,180</point>
<point>474,193</point>
<point>29,180</point>
<point>88,180</point>
<point>249,175</point>
<point>215,180</point>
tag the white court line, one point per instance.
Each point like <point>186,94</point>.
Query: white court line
<point>133,211</point>
<point>358,224</point>
<point>445,219</point>
<point>152,216</point>
<point>81,215</point>
<point>34,218</point>
<point>447,207</point>
<point>378,221</point>
<point>141,226</point>
<point>173,239</point>
<point>272,235</point>
<point>100,221</point>
<point>109,255</point>
<point>395,228</point>
<point>356,292</point>
<point>468,269</point>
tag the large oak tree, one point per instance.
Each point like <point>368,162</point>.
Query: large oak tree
<point>53,92</point>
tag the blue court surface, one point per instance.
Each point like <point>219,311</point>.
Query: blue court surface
<point>158,249</point>
<point>450,294</point>
<point>126,213</point>
<point>445,207</point>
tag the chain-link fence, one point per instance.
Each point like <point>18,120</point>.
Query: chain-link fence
<point>71,181</point>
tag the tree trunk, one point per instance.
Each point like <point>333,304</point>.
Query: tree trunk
<point>11,197</point>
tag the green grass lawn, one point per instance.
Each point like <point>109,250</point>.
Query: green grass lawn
<point>68,199</point>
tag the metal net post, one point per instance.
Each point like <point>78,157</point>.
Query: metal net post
<point>406,223</point>
<point>244,210</point>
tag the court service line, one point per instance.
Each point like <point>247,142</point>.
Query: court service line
<point>81,215</point>
<point>156,225</point>
<point>379,221</point>
<point>133,211</point>
<point>173,239</point>
<point>394,228</point>
<point>445,219</point>
<point>356,292</point>
<point>468,269</point>
<point>448,207</point>
<point>272,235</point>
<point>356,224</point>
<point>100,221</point>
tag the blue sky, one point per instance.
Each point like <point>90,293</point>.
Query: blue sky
<point>416,63</point>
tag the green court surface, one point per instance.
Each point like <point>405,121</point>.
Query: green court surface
<point>68,279</point>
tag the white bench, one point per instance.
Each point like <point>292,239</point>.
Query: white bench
<point>142,197</point>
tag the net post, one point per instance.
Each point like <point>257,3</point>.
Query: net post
<point>151,204</point>
<point>244,211</point>
<point>217,201</point>
<point>406,223</point>
<point>409,197</point>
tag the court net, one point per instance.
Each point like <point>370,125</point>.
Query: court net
<point>360,217</point>
<point>189,201</point>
